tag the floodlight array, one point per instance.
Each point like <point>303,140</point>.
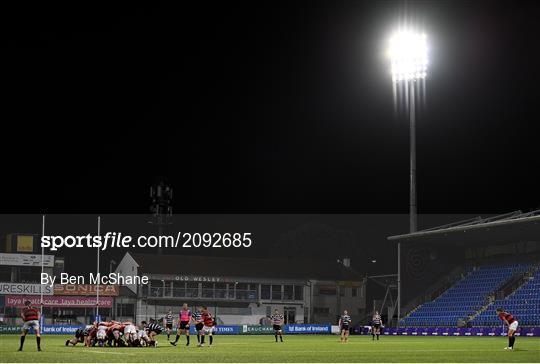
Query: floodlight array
<point>408,54</point>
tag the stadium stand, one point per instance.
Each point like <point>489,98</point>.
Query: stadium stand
<point>470,295</point>
<point>523,303</point>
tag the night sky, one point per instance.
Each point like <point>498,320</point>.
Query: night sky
<point>266,107</point>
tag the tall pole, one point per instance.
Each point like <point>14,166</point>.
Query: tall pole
<point>97,267</point>
<point>413,221</point>
<point>412,197</point>
<point>42,257</point>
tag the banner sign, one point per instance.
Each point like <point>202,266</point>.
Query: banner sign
<point>257,329</point>
<point>60,329</point>
<point>235,330</point>
<point>24,289</point>
<point>220,329</point>
<point>288,329</point>
<point>26,260</point>
<point>59,301</point>
<point>86,289</point>
<point>45,329</point>
<point>6,329</point>
<point>307,329</point>
<point>454,331</point>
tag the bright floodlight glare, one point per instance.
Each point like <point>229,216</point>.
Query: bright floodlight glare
<point>408,56</point>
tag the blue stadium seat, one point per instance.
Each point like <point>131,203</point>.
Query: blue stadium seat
<point>469,295</point>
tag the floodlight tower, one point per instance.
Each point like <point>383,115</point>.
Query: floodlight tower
<point>408,53</point>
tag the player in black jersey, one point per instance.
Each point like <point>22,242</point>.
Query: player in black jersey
<point>196,318</point>
<point>376,323</point>
<point>80,335</point>
<point>277,321</point>
<point>344,326</point>
<point>153,330</point>
<point>168,321</point>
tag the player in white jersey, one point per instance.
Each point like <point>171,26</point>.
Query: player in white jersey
<point>344,326</point>
<point>130,334</point>
<point>143,335</point>
<point>101,335</point>
<point>376,323</point>
<point>277,322</point>
<point>168,322</point>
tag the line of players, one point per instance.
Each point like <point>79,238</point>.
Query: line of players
<point>205,325</point>
<point>376,323</point>
<point>122,334</point>
<point>345,326</point>
<point>114,333</point>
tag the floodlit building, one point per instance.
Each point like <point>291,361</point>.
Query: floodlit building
<point>243,290</point>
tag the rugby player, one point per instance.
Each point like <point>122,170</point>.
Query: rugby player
<point>143,335</point>
<point>376,322</point>
<point>196,318</point>
<point>277,321</point>
<point>208,328</point>
<point>30,316</point>
<point>101,333</point>
<point>130,334</point>
<point>184,318</point>
<point>512,324</point>
<point>168,320</point>
<point>90,340</point>
<point>153,330</point>
<point>344,325</point>
<point>80,335</point>
<point>114,334</point>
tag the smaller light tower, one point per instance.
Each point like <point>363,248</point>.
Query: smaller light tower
<point>161,206</point>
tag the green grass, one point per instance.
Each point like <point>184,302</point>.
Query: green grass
<point>296,348</point>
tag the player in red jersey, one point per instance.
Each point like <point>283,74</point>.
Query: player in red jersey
<point>208,328</point>
<point>30,316</point>
<point>512,324</point>
<point>114,333</point>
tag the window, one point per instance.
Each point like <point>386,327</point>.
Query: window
<point>156,288</point>
<point>321,310</point>
<point>265,291</point>
<point>354,291</point>
<point>28,274</point>
<point>125,309</point>
<point>241,291</point>
<point>232,287</point>
<point>327,290</point>
<point>276,292</point>
<point>192,289</point>
<point>298,293</point>
<point>220,290</point>
<point>5,274</point>
<point>253,292</point>
<point>208,290</point>
<point>168,289</point>
<point>179,289</point>
<point>288,292</point>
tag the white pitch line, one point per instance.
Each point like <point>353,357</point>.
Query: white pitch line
<point>108,352</point>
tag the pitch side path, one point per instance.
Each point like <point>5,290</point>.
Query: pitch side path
<point>297,348</point>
